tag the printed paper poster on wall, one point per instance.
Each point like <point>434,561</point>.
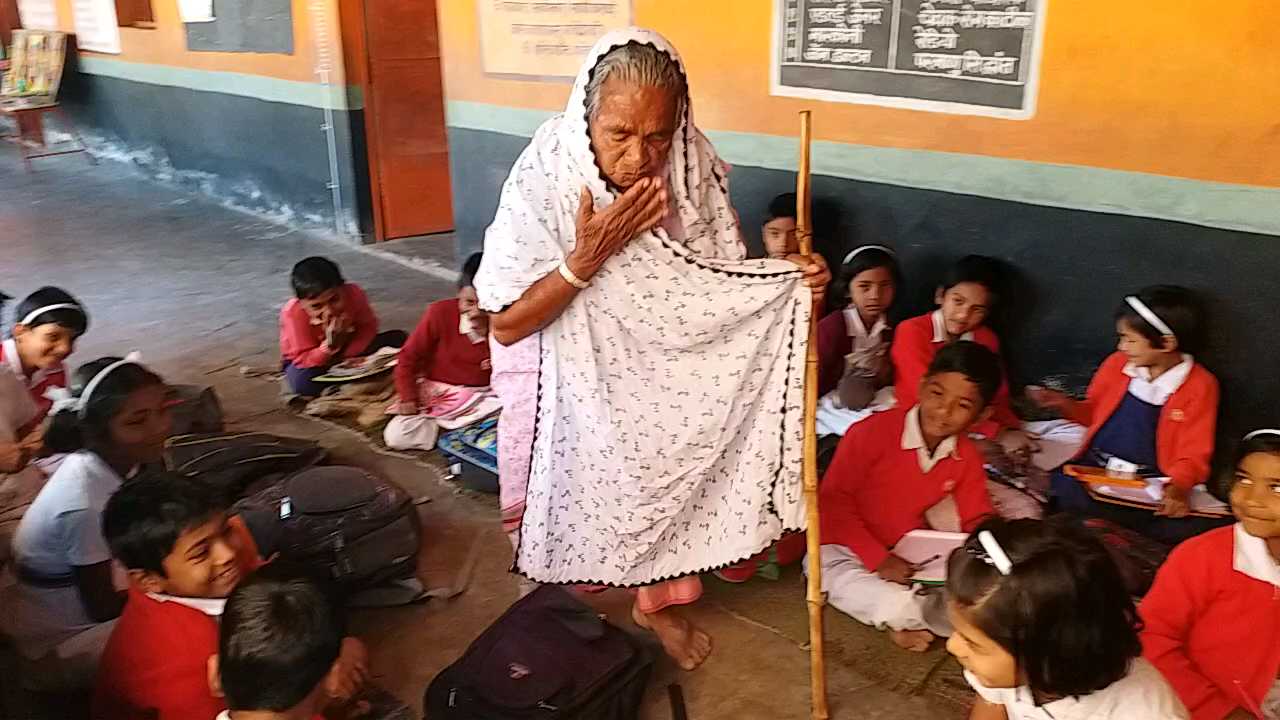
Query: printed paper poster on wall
<point>545,38</point>
<point>96,27</point>
<point>38,14</point>
<point>973,57</point>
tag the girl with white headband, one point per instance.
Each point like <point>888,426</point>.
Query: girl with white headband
<point>47,324</point>
<point>1150,409</point>
<point>60,604</point>
<point>1046,630</point>
<point>1212,618</point>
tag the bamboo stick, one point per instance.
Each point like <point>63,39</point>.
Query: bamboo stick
<point>814,596</point>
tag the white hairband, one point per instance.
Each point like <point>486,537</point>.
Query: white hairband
<point>1149,315</point>
<point>49,308</point>
<point>64,400</point>
<point>1264,431</point>
<point>995,554</point>
<point>854,253</point>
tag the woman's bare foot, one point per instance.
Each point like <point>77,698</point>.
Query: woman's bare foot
<point>684,642</point>
<point>913,640</point>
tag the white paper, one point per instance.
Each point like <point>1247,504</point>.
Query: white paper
<point>933,545</point>
<point>96,26</point>
<point>1201,501</point>
<point>195,11</point>
<point>38,14</point>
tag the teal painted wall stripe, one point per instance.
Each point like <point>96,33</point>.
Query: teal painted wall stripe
<point>1221,205</point>
<point>292,92</point>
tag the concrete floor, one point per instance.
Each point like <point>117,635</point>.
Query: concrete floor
<point>196,288</point>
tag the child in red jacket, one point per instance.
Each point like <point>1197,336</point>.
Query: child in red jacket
<point>899,471</point>
<point>1151,409</point>
<point>1213,615</point>
<point>184,557</point>
<point>966,298</point>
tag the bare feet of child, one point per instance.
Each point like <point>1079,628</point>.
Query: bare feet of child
<point>684,642</point>
<point>913,640</point>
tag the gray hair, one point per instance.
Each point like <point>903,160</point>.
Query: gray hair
<point>641,65</point>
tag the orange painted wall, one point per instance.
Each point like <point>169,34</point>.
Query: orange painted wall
<point>166,44</point>
<point>1187,89</point>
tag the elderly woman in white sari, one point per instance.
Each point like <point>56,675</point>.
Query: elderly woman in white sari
<point>652,377</point>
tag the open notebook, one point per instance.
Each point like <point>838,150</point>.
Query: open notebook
<point>1150,496</point>
<point>931,548</point>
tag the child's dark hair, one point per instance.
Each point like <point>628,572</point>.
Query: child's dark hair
<point>1262,441</point>
<point>782,206</point>
<point>467,278</point>
<point>980,270</point>
<point>74,319</point>
<point>315,275</point>
<point>1062,612</point>
<point>70,430</point>
<point>1178,307</point>
<point>143,520</point>
<point>279,637</point>
<point>869,258</point>
<point>977,363</point>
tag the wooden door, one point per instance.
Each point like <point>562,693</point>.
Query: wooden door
<point>404,119</point>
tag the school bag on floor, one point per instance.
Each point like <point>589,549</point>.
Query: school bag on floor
<point>549,657</point>
<point>232,461</point>
<point>194,409</point>
<point>360,531</point>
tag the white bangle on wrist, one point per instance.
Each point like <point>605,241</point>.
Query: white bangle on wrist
<point>571,278</point>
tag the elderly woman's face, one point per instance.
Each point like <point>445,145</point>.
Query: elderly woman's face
<point>631,132</point>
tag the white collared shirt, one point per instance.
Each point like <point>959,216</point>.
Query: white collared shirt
<point>866,345</point>
<point>1252,557</point>
<point>913,439</point>
<point>1143,694</point>
<point>212,607</point>
<point>15,362</point>
<point>940,329</point>
<point>1158,391</point>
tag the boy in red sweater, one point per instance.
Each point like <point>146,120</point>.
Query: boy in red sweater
<point>1212,618</point>
<point>1150,409</point>
<point>966,298</point>
<point>894,473</point>
<point>329,320</point>
<point>442,373</point>
<point>184,557</point>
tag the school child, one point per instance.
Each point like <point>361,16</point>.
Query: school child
<point>279,648</point>
<point>47,324</point>
<point>853,343</point>
<point>21,440</point>
<point>1045,629</point>
<point>966,298</point>
<point>1212,618</point>
<point>328,320</point>
<point>901,470</point>
<point>60,610</point>
<point>442,373</point>
<point>1151,409</point>
<point>183,558</point>
<point>779,231</point>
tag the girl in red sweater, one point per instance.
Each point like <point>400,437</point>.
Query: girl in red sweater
<point>442,372</point>
<point>1213,615</point>
<point>1151,409</point>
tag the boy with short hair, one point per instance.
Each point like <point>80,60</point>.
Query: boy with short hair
<point>279,642</point>
<point>328,320</point>
<point>183,558</point>
<point>779,231</point>
<point>901,470</point>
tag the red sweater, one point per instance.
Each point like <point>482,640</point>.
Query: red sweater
<point>1184,436</point>
<point>1213,631</point>
<point>913,350</point>
<point>302,342</point>
<point>154,665</point>
<point>437,351</point>
<point>874,492</point>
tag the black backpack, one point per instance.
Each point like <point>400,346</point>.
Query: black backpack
<point>233,462</point>
<point>549,657</point>
<point>358,530</point>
